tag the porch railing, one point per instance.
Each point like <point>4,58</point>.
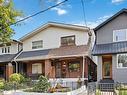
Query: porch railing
<point>71,84</point>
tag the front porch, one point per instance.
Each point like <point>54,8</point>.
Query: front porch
<point>6,69</point>
<point>59,68</point>
<point>105,69</point>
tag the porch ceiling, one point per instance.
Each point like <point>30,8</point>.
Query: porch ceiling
<point>66,51</point>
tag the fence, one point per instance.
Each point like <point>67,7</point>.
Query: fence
<point>107,89</point>
<point>70,85</point>
<point>73,85</point>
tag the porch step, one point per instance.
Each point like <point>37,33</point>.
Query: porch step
<point>106,85</point>
<point>106,81</point>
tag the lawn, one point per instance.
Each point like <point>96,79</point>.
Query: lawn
<point>123,92</point>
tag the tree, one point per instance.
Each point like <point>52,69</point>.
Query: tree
<point>7,16</point>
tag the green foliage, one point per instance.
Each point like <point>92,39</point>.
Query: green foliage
<point>42,85</point>
<point>2,81</point>
<point>7,16</point>
<point>16,78</point>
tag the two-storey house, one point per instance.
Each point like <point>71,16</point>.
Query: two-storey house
<point>57,50</point>
<point>111,48</point>
<point>7,52</point>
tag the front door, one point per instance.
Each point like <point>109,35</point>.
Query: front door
<point>107,67</point>
<point>2,71</point>
<point>58,70</point>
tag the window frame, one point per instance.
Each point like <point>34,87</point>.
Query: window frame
<point>119,30</point>
<point>37,47</point>
<point>118,67</point>
<point>7,49</point>
<point>74,62</point>
<point>67,44</point>
<point>37,68</point>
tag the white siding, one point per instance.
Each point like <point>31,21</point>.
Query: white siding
<point>52,38</point>
<point>13,49</point>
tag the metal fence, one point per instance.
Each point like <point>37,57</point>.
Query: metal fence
<point>73,85</point>
<point>107,89</point>
<point>92,88</point>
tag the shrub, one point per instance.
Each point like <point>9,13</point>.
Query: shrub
<point>42,85</point>
<point>16,78</point>
<point>8,86</point>
<point>2,81</point>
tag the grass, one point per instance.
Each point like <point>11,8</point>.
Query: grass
<point>123,92</point>
<point>97,92</point>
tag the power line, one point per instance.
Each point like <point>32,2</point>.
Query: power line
<point>35,14</point>
<point>84,12</point>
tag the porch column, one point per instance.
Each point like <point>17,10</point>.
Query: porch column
<point>47,68</point>
<point>9,70</point>
<point>83,68</point>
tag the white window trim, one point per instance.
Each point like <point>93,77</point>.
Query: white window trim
<point>114,35</point>
<point>36,48</point>
<point>7,50</point>
<point>37,64</point>
<point>117,62</point>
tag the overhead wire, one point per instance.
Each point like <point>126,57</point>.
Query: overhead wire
<point>56,5</point>
<point>84,12</point>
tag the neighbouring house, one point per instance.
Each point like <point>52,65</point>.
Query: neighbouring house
<point>57,50</point>
<point>111,48</point>
<point>7,52</point>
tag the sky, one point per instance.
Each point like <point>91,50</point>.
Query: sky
<point>71,12</point>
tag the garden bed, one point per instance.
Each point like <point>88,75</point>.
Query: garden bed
<point>19,92</point>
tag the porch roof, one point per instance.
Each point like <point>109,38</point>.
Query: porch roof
<point>6,57</point>
<point>65,51</point>
<point>110,48</point>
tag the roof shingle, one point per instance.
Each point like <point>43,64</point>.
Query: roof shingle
<point>64,51</point>
<point>6,57</point>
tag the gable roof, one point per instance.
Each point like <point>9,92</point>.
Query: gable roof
<point>54,24</point>
<point>110,19</point>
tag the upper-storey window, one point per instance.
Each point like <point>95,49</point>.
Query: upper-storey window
<point>37,44</point>
<point>5,49</point>
<point>68,40</point>
<point>120,35</point>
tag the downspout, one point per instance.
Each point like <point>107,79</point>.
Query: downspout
<point>16,61</point>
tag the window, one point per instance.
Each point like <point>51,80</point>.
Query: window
<point>37,68</point>
<point>74,66</point>
<point>120,35</point>
<point>122,60</point>
<point>5,50</point>
<point>68,40</point>
<point>37,44</point>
